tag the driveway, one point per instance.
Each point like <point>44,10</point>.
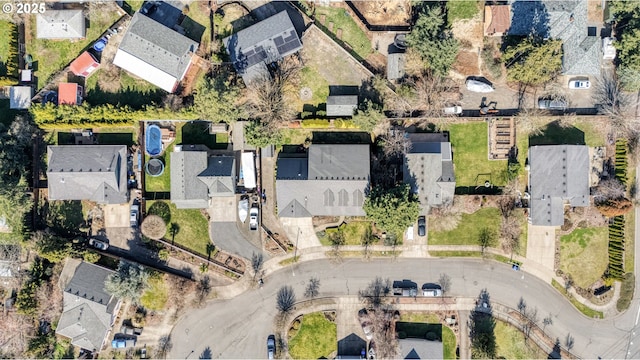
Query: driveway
<point>541,245</point>
<point>116,215</point>
<point>300,232</point>
<point>223,209</point>
<point>228,237</point>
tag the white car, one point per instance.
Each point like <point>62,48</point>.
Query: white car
<point>253,218</point>
<point>579,84</point>
<point>478,86</point>
<point>100,245</point>
<point>133,217</point>
<point>453,110</point>
<point>431,290</point>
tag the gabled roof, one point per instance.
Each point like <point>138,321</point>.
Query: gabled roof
<point>332,180</point>
<point>68,94</point>
<point>151,50</point>
<point>420,349</point>
<point>60,24</point>
<point>557,173</point>
<point>88,310</point>
<point>565,20</point>
<point>262,43</point>
<point>497,19</point>
<point>88,172</point>
<point>84,64</point>
<point>341,105</point>
<point>395,66</point>
<point>195,177</point>
<point>428,169</point>
<point>19,97</point>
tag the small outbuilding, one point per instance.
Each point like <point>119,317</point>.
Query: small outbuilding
<point>69,94</point>
<point>20,97</point>
<point>84,65</point>
<point>61,24</point>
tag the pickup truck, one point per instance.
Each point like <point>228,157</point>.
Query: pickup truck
<point>253,218</point>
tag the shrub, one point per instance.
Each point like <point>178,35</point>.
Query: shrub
<point>344,124</point>
<point>315,124</point>
<point>626,292</point>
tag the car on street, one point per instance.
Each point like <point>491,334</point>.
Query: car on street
<point>271,346</point>
<point>98,244</point>
<point>579,84</point>
<point>133,217</point>
<point>547,103</point>
<point>405,288</point>
<point>452,110</point>
<point>478,86</point>
<point>422,226</point>
<point>431,290</point>
<point>253,218</point>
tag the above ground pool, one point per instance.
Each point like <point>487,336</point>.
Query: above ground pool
<point>153,140</point>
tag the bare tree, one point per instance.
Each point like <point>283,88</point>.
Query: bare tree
<point>383,328</point>
<point>285,299</point>
<point>529,121</point>
<point>609,189</point>
<point>313,288</point>
<point>530,320</point>
<point>203,290</point>
<point>366,240</point>
<point>337,239</point>
<point>486,238</point>
<point>396,143</point>
<point>445,282</point>
<point>547,321</point>
<point>373,295</point>
<point>153,227</point>
<point>510,232</point>
<point>257,260</point>
<point>612,101</point>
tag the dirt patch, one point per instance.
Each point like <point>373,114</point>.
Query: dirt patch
<point>466,63</point>
<point>469,32</point>
<point>389,12</point>
<point>595,12</point>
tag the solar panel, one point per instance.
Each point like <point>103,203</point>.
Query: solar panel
<point>255,58</point>
<point>291,37</point>
<point>289,46</point>
<point>278,40</point>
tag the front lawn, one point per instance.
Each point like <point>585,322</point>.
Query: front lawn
<point>353,233</point>
<point>351,32</point>
<point>468,229</point>
<point>510,344</point>
<point>192,227</point>
<point>584,254</point>
<point>470,156</point>
<point>421,328</point>
<point>317,338</point>
<point>51,56</point>
<point>461,10</point>
<point>155,296</point>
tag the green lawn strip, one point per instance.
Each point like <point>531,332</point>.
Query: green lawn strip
<point>470,157</point>
<point>316,338</point>
<point>5,33</point>
<point>311,78</point>
<point>469,228</point>
<point>351,32</point>
<point>353,233</point>
<point>52,56</point>
<point>454,253</point>
<point>155,296</point>
<point>295,136</point>
<point>511,344</point>
<point>578,305</point>
<point>193,228</point>
<point>524,225</point>
<point>461,10</point>
<point>583,254</point>
<point>629,242</point>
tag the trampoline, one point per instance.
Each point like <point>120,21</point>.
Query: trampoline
<point>153,140</point>
<point>154,167</point>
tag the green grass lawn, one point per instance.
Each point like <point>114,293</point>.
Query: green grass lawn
<point>510,344</point>
<point>578,305</point>
<point>353,233</point>
<point>629,242</point>
<point>295,136</point>
<point>156,295</point>
<point>351,33</point>
<point>160,183</point>
<point>197,132</point>
<point>193,227</point>
<point>461,9</point>
<point>311,78</point>
<point>581,133</point>
<point>317,338</point>
<point>132,91</point>
<point>470,156</point>
<point>52,55</point>
<point>468,228</point>
<point>584,254</point>
<point>5,33</point>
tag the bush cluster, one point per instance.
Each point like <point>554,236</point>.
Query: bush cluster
<point>616,248</point>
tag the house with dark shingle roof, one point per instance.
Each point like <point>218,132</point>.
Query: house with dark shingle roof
<point>341,105</point>
<point>261,44</point>
<point>558,174</point>
<point>60,24</point>
<point>155,53</point>
<point>428,169</point>
<point>88,172</point>
<point>328,180</point>
<point>196,177</point>
<point>88,311</point>
<point>564,20</point>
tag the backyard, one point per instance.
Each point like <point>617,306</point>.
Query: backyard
<point>510,344</point>
<point>468,229</point>
<point>51,56</point>
<point>337,20</point>
<point>6,29</point>
<point>583,254</point>
<point>104,136</point>
<point>314,338</point>
<point>121,89</point>
<point>353,232</point>
<point>190,227</point>
<point>461,10</point>
<point>447,335</point>
<point>470,156</point>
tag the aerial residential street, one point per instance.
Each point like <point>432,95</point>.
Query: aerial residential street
<point>237,328</point>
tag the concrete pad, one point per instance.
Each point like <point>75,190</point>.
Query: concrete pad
<point>223,209</point>
<point>300,231</point>
<point>541,245</point>
<point>116,215</point>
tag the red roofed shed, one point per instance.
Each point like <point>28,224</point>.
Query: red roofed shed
<point>497,19</point>
<point>84,64</point>
<point>69,94</point>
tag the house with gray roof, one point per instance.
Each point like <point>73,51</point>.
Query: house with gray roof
<point>328,180</point>
<point>413,348</point>
<point>261,44</point>
<point>61,24</point>
<point>558,174</point>
<point>88,311</point>
<point>564,20</point>
<point>395,66</point>
<point>341,105</point>
<point>155,53</point>
<point>428,169</point>
<point>196,177</point>
<point>88,172</point>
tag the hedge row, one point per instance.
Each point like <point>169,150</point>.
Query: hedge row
<point>621,160</point>
<point>616,248</point>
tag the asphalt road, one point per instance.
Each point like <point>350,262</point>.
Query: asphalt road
<point>238,328</point>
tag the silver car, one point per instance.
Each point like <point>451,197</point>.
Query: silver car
<point>100,245</point>
<point>271,346</point>
<point>478,86</point>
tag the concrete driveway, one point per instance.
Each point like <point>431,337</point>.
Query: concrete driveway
<point>223,209</point>
<point>116,215</point>
<point>541,245</point>
<point>228,237</point>
<point>300,231</point>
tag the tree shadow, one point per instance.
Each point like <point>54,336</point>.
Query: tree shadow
<point>161,209</point>
<point>340,137</point>
<point>174,229</point>
<point>554,134</point>
<point>206,353</point>
<point>136,99</point>
<point>197,133</point>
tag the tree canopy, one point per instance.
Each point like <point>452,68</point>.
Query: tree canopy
<point>261,135</point>
<point>368,116</point>
<point>129,282</point>
<point>533,61</point>
<point>393,210</point>
<point>216,99</point>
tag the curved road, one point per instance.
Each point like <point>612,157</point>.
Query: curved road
<point>238,327</point>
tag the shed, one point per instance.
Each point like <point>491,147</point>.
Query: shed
<point>341,105</point>
<point>84,65</point>
<point>25,76</point>
<point>69,94</point>
<point>20,97</point>
<point>395,66</point>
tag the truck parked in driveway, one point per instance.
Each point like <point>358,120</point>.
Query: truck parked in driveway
<point>253,218</point>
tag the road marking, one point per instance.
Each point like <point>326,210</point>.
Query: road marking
<point>638,316</point>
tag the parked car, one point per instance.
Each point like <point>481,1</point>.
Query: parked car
<point>452,110</point>
<point>405,288</point>
<point>143,353</point>
<point>431,290</point>
<point>422,226</point>
<point>129,330</point>
<point>547,103</point>
<point>123,342</point>
<point>271,346</point>
<point>478,86</point>
<point>253,218</point>
<point>98,244</point>
<point>579,84</point>
<point>134,215</point>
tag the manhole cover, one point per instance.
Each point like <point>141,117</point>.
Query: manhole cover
<point>305,93</point>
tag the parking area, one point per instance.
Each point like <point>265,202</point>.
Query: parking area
<point>300,232</point>
<point>223,209</point>
<point>116,215</point>
<point>541,245</point>
<point>228,237</point>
